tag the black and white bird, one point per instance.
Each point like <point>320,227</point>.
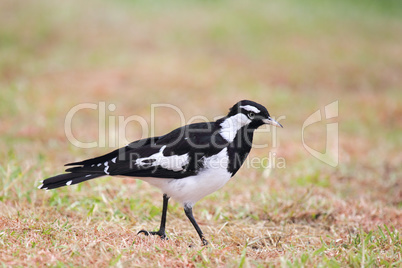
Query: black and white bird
<point>187,164</point>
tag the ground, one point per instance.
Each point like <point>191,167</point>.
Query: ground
<point>202,57</point>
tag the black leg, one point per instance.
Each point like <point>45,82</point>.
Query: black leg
<point>161,231</point>
<point>189,213</point>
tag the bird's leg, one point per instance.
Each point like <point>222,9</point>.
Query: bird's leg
<point>161,231</point>
<point>189,213</point>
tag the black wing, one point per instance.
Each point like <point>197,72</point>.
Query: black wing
<point>178,154</point>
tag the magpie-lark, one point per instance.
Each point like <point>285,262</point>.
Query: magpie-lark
<point>187,164</point>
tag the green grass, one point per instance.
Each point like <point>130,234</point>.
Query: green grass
<point>203,56</point>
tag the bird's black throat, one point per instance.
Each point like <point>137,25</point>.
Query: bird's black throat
<point>239,148</point>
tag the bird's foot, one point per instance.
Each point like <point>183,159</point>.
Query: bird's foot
<point>204,242</point>
<point>160,233</point>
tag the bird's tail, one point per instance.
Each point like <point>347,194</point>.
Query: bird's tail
<point>66,179</point>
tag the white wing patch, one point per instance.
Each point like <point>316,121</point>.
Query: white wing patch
<point>69,182</point>
<point>173,162</point>
<point>250,108</point>
<point>114,160</point>
<point>106,167</point>
<point>232,124</point>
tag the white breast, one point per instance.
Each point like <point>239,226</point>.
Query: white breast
<point>191,189</point>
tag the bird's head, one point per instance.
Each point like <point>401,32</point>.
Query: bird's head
<point>252,114</point>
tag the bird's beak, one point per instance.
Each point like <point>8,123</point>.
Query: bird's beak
<point>271,121</point>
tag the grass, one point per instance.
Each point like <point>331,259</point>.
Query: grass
<point>203,56</point>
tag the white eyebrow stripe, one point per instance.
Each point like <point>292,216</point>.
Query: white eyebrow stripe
<point>250,108</point>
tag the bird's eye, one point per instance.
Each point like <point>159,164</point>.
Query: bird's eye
<point>251,115</point>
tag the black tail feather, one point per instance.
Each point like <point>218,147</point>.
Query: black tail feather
<point>67,179</point>
<point>87,170</point>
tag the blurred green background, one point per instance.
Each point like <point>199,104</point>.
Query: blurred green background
<point>292,56</point>
<point>203,56</point>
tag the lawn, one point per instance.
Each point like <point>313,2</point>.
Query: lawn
<point>127,57</point>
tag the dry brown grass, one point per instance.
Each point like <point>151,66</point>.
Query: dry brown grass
<point>203,57</point>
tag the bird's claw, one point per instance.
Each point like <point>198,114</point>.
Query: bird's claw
<point>162,235</point>
<point>204,241</point>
